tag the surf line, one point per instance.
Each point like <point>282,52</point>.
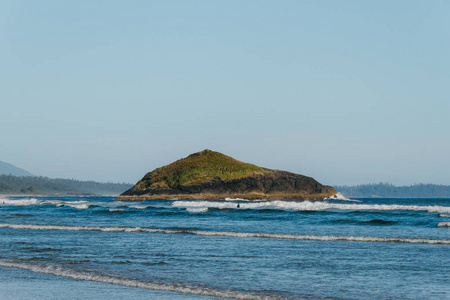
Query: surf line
<point>233,234</point>
<point>59,271</point>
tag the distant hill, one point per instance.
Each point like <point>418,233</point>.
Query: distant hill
<point>15,185</point>
<point>386,190</point>
<point>214,176</point>
<point>9,169</point>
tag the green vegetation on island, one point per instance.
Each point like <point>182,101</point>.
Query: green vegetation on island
<point>198,168</point>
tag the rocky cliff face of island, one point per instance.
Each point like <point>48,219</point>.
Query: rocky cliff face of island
<point>210,175</point>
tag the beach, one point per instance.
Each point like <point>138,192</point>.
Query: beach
<point>21,284</point>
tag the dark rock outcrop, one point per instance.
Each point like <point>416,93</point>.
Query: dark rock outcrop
<point>261,184</point>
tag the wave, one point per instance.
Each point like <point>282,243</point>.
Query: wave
<point>58,203</point>
<point>41,250</point>
<point>371,222</point>
<point>232,234</point>
<point>444,224</point>
<point>90,276</point>
<point>20,202</point>
<point>141,206</point>
<point>197,210</point>
<point>339,196</point>
<point>444,216</point>
<point>80,205</point>
<point>19,215</point>
<point>310,206</point>
<point>306,206</point>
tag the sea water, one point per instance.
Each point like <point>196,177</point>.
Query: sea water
<point>98,248</point>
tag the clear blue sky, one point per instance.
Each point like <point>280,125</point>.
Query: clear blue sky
<point>348,92</point>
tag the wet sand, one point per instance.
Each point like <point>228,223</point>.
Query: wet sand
<point>20,284</point>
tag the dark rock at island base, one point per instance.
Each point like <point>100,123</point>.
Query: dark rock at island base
<point>260,184</point>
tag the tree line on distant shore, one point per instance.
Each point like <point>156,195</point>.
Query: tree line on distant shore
<point>387,190</point>
<point>33,185</point>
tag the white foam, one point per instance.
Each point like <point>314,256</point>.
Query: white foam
<point>324,237</point>
<point>60,271</point>
<point>444,216</point>
<point>20,202</point>
<point>79,205</point>
<point>232,234</point>
<point>197,210</point>
<point>339,196</point>
<point>444,224</point>
<point>210,204</point>
<point>34,201</point>
<point>311,206</point>
<point>116,209</point>
<point>139,206</point>
<point>235,199</point>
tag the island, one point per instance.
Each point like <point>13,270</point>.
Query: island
<point>210,175</point>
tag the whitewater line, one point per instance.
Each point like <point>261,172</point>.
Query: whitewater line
<point>230,204</point>
<point>232,234</point>
<point>59,271</point>
<point>311,206</point>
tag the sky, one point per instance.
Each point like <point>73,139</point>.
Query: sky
<point>348,92</point>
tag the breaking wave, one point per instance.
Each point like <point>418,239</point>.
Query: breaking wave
<point>82,204</point>
<point>197,210</point>
<point>20,202</point>
<point>444,224</point>
<point>235,199</point>
<point>311,206</point>
<point>88,276</point>
<point>234,234</point>
<point>339,196</point>
<point>444,211</point>
<point>78,204</point>
<point>140,206</point>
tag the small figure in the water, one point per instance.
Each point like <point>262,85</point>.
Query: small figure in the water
<point>238,205</point>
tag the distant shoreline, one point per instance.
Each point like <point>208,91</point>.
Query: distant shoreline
<point>57,195</point>
<point>44,186</point>
<point>386,190</point>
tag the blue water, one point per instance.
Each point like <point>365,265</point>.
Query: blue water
<point>179,249</point>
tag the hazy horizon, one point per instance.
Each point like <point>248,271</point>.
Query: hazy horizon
<point>123,182</point>
<point>346,92</point>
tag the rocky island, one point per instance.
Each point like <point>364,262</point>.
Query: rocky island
<point>210,175</point>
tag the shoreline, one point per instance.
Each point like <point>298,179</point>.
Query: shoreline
<point>18,283</point>
<point>218,197</point>
<point>56,195</point>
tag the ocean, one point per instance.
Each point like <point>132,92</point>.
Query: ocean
<point>98,248</point>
